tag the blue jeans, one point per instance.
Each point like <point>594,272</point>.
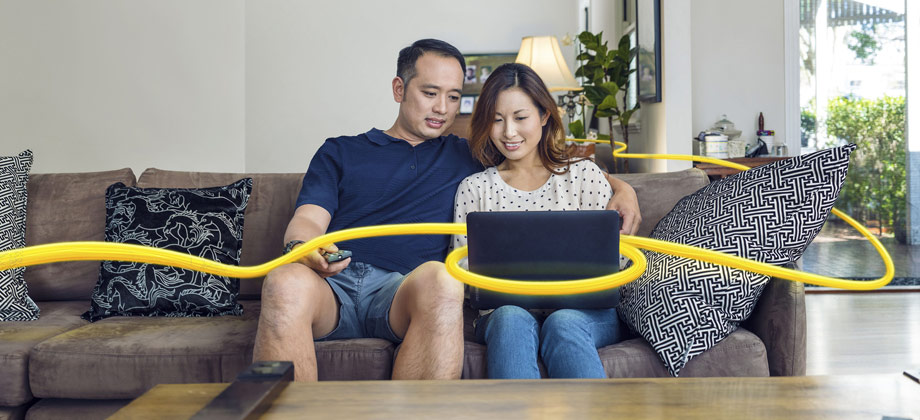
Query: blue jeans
<point>567,342</point>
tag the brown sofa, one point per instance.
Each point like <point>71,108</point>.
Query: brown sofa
<point>63,367</point>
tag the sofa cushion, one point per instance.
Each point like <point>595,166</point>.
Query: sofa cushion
<point>682,307</point>
<point>123,357</point>
<point>354,359</point>
<point>55,409</point>
<point>14,413</point>
<point>205,222</point>
<point>270,208</point>
<point>15,303</point>
<point>67,207</point>
<point>779,321</point>
<point>18,338</point>
<point>659,192</point>
<point>740,354</point>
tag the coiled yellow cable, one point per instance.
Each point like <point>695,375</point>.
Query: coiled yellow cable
<point>83,251</point>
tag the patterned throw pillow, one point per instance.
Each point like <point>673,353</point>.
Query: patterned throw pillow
<point>206,222</point>
<point>15,304</point>
<point>770,214</point>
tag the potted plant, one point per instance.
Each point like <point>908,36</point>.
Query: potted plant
<point>606,73</point>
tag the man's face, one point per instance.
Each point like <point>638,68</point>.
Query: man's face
<point>428,104</point>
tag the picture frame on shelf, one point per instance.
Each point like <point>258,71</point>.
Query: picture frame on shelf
<point>466,104</point>
<point>478,69</point>
<point>648,30</point>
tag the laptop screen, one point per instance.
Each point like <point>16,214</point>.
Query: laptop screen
<point>544,245</point>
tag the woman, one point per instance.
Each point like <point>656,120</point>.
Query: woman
<point>517,135</point>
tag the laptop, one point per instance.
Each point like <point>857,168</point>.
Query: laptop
<point>540,246</point>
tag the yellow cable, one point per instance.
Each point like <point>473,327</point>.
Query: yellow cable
<point>750,265</point>
<point>82,251</point>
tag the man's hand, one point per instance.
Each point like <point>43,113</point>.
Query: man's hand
<point>318,263</point>
<point>310,221</point>
<point>626,202</point>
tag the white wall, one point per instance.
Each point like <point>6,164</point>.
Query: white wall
<point>314,71</point>
<point>666,126</point>
<point>217,85</point>
<point>727,58</point>
<point>106,84</point>
<point>738,65</point>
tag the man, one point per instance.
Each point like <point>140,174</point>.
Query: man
<point>406,174</point>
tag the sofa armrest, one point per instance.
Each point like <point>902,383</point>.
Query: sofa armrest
<point>779,321</point>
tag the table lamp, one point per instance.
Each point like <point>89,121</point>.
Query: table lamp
<point>542,54</point>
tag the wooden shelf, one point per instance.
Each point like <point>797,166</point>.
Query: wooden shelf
<point>718,172</point>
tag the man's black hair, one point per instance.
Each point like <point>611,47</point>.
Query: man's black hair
<point>405,65</point>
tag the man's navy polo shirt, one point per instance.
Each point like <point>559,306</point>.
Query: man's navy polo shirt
<point>375,179</point>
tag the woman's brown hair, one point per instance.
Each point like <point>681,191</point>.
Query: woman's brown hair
<point>550,149</point>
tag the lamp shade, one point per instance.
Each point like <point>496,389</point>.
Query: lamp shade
<point>542,54</point>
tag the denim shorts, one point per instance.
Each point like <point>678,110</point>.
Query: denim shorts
<point>365,293</point>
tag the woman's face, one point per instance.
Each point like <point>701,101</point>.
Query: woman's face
<point>518,125</point>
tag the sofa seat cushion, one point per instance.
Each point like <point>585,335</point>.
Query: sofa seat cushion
<point>18,338</point>
<point>742,353</point>
<point>13,413</point>
<point>54,409</point>
<point>354,359</point>
<point>123,357</point>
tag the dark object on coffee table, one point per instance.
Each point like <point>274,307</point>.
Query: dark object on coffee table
<point>251,393</point>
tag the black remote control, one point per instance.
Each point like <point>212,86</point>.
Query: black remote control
<point>337,256</point>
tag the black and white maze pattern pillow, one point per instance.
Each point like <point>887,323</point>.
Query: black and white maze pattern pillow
<point>15,303</point>
<point>206,222</point>
<point>683,307</point>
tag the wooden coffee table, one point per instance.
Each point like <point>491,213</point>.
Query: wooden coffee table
<point>833,397</point>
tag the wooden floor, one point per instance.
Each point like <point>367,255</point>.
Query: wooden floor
<point>862,333</point>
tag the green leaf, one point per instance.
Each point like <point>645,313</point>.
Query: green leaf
<point>596,94</point>
<point>587,37</point>
<point>624,43</point>
<point>602,52</point>
<point>611,87</point>
<point>598,76</point>
<point>610,102</point>
<point>613,55</point>
<point>625,117</point>
<point>577,128</point>
<point>603,114</point>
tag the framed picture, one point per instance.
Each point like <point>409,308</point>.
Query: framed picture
<point>648,29</point>
<point>478,69</point>
<point>466,104</point>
